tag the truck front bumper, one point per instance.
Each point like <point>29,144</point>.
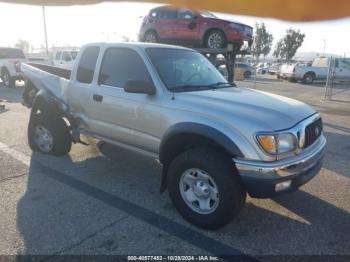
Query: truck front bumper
<point>268,179</point>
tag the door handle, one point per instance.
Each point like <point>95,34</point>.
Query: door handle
<point>97,98</point>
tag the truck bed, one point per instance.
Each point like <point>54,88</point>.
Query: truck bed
<point>50,78</point>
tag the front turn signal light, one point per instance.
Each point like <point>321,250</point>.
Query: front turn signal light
<point>268,143</point>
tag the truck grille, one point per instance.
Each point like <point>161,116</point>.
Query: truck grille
<point>312,132</point>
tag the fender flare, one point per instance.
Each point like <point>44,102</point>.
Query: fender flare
<point>199,129</point>
<point>44,100</point>
<point>193,129</point>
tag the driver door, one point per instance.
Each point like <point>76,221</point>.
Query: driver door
<point>187,27</point>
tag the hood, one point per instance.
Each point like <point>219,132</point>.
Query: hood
<point>266,110</point>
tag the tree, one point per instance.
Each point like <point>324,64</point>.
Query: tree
<point>24,45</point>
<point>287,46</point>
<point>278,49</point>
<point>262,41</point>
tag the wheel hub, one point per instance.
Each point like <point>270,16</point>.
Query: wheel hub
<point>215,40</point>
<point>43,139</point>
<point>150,38</point>
<point>6,79</point>
<point>199,191</point>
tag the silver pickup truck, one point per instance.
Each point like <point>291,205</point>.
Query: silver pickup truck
<point>215,141</point>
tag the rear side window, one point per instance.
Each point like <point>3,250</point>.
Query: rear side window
<point>58,56</point>
<point>11,53</point>
<point>87,64</point>
<point>167,14</point>
<point>185,14</point>
<point>120,65</point>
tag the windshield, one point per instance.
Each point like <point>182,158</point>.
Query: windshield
<point>185,70</point>
<point>207,14</point>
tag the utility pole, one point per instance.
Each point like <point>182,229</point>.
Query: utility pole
<point>324,47</point>
<point>45,32</point>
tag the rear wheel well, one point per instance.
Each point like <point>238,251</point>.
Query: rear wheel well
<point>310,73</point>
<point>149,31</point>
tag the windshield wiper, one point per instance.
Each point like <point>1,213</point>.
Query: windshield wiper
<point>211,86</point>
<point>220,84</point>
<point>173,88</point>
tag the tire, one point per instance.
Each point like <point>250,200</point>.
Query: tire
<point>60,142</point>
<point>6,78</point>
<point>247,74</point>
<point>215,39</point>
<point>151,37</point>
<point>224,177</point>
<point>308,78</point>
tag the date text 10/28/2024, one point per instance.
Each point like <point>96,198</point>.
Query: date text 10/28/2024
<point>172,258</point>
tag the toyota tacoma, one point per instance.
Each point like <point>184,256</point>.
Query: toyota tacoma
<point>216,142</point>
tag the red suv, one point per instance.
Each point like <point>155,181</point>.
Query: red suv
<point>168,24</point>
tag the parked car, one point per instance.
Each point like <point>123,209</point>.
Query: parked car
<point>194,28</point>
<point>274,69</point>
<point>215,141</point>
<point>10,65</point>
<point>262,68</point>
<point>40,58</point>
<point>317,71</point>
<point>247,70</point>
<point>64,58</point>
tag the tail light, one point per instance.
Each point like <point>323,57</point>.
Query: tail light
<point>17,66</point>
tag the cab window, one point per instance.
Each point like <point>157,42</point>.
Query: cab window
<point>87,64</point>
<point>120,65</point>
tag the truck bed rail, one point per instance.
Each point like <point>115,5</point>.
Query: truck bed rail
<point>60,72</point>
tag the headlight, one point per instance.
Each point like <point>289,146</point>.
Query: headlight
<point>277,143</point>
<point>286,142</point>
<point>236,26</point>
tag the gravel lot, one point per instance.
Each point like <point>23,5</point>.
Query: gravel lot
<point>104,200</point>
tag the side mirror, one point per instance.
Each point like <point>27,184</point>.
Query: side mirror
<point>139,87</point>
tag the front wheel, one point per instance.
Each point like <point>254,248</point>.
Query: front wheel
<point>215,39</point>
<point>49,135</point>
<point>205,188</point>
<point>247,74</point>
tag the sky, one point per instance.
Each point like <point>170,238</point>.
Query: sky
<point>77,25</point>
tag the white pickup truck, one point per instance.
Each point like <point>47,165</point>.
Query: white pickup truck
<point>10,65</point>
<point>64,58</point>
<point>317,71</point>
<point>214,140</point>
